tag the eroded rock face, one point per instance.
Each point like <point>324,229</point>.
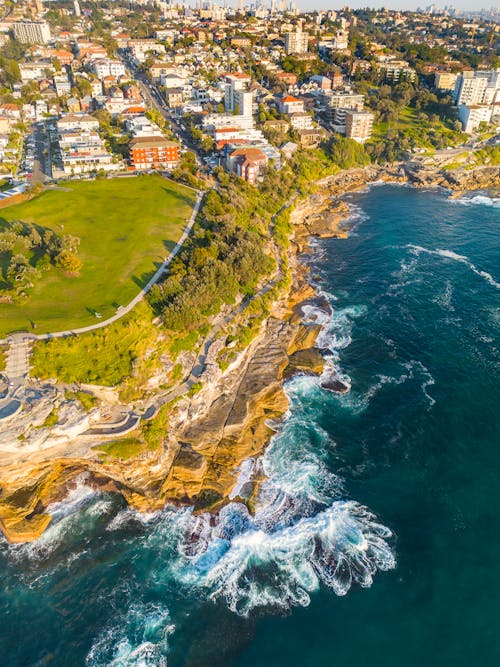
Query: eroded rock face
<point>305,361</point>
<point>211,433</point>
<point>234,424</point>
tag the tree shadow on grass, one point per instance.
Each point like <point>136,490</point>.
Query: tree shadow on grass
<point>188,199</point>
<point>142,280</point>
<point>169,245</point>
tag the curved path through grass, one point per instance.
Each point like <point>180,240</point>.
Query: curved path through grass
<point>142,217</point>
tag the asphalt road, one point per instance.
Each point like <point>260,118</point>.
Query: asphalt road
<point>42,170</point>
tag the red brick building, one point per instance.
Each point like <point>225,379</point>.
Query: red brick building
<point>154,153</point>
<point>247,163</point>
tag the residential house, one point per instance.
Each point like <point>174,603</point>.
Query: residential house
<point>247,163</point>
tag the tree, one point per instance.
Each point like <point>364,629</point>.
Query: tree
<point>68,262</point>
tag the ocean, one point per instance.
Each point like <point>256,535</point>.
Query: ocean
<point>375,538</point>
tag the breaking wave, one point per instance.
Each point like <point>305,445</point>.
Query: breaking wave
<point>449,254</point>
<point>137,638</point>
<point>477,200</point>
<point>336,333</point>
<point>301,534</point>
<point>338,547</point>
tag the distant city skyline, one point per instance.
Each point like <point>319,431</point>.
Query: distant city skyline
<point>325,5</point>
<point>310,5</point>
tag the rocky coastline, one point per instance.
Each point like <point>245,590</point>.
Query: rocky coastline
<point>212,432</point>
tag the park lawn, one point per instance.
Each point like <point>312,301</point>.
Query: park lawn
<point>409,123</point>
<point>127,226</point>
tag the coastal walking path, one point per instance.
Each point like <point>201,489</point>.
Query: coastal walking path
<point>123,310</point>
<point>199,364</point>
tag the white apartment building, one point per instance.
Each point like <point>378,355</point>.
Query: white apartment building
<point>358,125</point>
<point>395,70</point>
<point>32,32</point>
<point>62,84</point>
<point>301,121</point>
<point>140,126</point>
<point>107,67</point>
<point>346,101</point>
<point>290,104</point>
<point>141,47</point>
<point>35,70</point>
<point>82,149</point>
<point>296,42</point>
<point>478,87</point>
<point>236,94</point>
<point>340,41</point>
<point>472,116</point>
<point>77,121</point>
<point>213,121</point>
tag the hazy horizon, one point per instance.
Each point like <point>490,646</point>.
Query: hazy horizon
<point>311,5</point>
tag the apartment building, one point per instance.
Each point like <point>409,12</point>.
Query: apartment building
<point>103,67</point>
<point>397,70</point>
<point>296,42</point>
<point>35,70</point>
<point>154,153</point>
<point>340,41</point>
<point>32,32</point>
<point>472,116</point>
<point>82,149</point>
<point>290,105</point>
<point>477,87</point>
<point>247,163</point>
<point>445,80</point>
<point>237,98</point>
<point>77,121</point>
<point>358,125</point>
<point>345,100</point>
<point>301,121</point>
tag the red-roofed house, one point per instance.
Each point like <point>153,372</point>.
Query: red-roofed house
<point>287,77</point>
<point>291,104</point>
<point>247,163</point>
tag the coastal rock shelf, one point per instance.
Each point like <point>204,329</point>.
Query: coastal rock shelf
<point>49,442</point>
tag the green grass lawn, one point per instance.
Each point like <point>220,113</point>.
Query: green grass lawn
<point>418,129</point>
<point>127,226</point>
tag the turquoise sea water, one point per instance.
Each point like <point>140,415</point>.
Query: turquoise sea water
<point>375,541</point>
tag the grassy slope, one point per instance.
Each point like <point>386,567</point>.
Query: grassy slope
<point>409,123</point>
<point>126,227</point>
<point>105,356</point>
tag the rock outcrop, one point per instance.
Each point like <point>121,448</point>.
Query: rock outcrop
<point>212,432</point>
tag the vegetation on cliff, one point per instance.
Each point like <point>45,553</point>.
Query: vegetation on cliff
<point>107,356</point>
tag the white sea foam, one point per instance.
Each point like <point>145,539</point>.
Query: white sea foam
<point>137,638</point>
<point>130,516</point>
<point>77,497</point>
<point>244,475</point>
<point>416,367</point>
<point>477,200</point>
<point>79,510</point>
<point>444,299</point>
<point>449,254</point>
<point>338,547</point>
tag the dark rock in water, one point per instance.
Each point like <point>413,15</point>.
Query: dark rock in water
<point>335,385</point>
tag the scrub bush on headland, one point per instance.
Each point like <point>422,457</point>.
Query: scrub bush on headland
<point>26,251</point>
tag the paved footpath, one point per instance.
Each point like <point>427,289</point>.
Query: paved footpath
<point>123,310</point>
<point>17,358</point>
